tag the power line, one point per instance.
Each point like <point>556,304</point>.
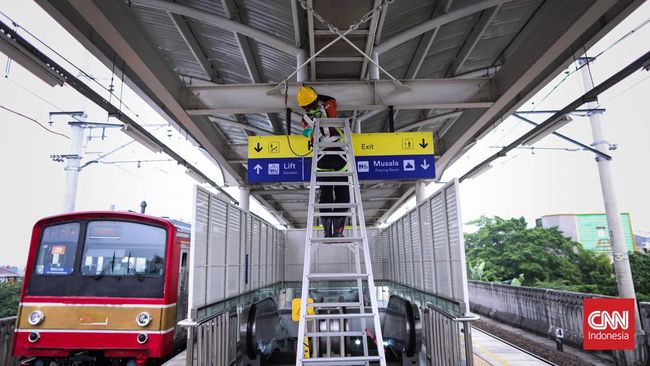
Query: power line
<point>33,120</point>
<point>625,91</point>
<point>81,71</point>
<point>568,74</point>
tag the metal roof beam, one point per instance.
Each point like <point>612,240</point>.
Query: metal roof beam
<point>190,40</point>
<point>249,60</point>
<point>370,41</point>
<point>297,28</point>
<point>425,43</point>
<point>437,22</point>
<point>113,23</point>
<point>219,21</point>
<point>353,95</point>
<point>481,24</point>
<point>312,40</point>
<point>541,56</point>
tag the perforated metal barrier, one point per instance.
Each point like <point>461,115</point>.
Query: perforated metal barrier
<point>232,252</point>
<point>424,249</point>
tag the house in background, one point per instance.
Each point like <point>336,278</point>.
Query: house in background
<point>9,274</point>
<point>642,240</point>
<point>590,230</point>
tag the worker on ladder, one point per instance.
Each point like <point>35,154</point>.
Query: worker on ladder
<point>322,106</point>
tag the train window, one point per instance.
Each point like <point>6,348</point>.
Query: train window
<point>118,248</point>
<point>57,250</point>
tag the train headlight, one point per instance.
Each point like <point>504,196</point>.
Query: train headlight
<point>33,337</point>
<point>142,338</point>
<point>36,317</point>
<point>143,319</point>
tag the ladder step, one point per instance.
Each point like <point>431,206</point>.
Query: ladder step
<point>325,145</point>
<point>321,183</point>
<point>334,305</point>
<point>335,205</point>
<point>337,276</point>
<point>333,152</point>
<point>334,334</point>
<point>337,240</point>
<point>332,123</point>
<point>355,360</point>
<point>334,174</point>
<point>339,316</point>
<point>332,214</point>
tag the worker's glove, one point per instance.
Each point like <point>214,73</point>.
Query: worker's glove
<point>307,131</point>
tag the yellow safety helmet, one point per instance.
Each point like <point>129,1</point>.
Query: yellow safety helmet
<point>306,96</point>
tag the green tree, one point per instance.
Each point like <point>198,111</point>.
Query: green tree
<point>640,264</point>
<point>536,257</point>
<point>9,298</point>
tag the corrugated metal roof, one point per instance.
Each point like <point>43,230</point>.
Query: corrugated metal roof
<point>275,17</point>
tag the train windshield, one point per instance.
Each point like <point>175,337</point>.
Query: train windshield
<point>58,249</point>
<point>118,248</point>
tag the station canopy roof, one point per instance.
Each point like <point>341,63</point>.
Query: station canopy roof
<point>208,67</point>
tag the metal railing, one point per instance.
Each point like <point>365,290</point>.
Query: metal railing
<point>448,339</point>
<point>7,326</point>
<point>544,311</point>
<point>212,341</point>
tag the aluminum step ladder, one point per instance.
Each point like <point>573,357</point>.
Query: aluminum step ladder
<point>311,324</point>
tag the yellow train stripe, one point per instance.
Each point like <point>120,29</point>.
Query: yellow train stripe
<point>94,331</point>
<point>102,305</point>
<point>97,317</point>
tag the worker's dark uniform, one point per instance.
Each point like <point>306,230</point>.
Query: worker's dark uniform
<point>331,163</point>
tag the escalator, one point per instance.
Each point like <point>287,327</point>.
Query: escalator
<point>268,337</point>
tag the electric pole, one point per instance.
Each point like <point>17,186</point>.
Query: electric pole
<point>617,237</point>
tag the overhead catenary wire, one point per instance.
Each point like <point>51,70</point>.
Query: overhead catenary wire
<point>577,68</point>
<point>100,101</point>
<point>81,71</point>
<point>33,120</point>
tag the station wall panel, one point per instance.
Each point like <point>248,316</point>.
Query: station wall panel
<point>427,248</point>
<point>232,251</point>
<point>233,256</point>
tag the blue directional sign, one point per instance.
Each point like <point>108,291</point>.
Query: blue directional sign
<point>379,156</point>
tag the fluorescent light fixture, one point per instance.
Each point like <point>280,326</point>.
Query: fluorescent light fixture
<point>197,177</point>
<point>143,139</point>
<point>16,52</point>
<point>479,171</point>
<point>547,130</point>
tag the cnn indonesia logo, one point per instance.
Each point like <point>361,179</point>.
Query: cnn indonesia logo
<point>608,324</point>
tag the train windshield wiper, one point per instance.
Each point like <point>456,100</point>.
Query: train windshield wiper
<point>130,267</point>
<point>108,265</point>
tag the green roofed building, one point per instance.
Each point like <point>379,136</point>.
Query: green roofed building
<point>590,230</point>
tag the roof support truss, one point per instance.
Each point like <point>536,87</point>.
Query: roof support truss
<point>194,46</point>
<point>251,65</point>
<point>353,95</point>
<point>482,22</point>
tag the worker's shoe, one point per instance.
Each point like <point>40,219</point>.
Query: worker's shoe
<point>339,226</point>
<point>327,226</point>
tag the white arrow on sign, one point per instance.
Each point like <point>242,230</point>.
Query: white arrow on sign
<point>257,169</point>
<point>425,165</point>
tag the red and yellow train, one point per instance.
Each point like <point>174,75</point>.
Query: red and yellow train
<point>103,287</point>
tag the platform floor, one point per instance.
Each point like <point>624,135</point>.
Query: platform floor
<point>490,351</point>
